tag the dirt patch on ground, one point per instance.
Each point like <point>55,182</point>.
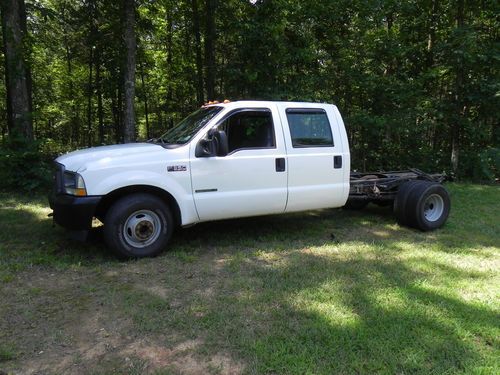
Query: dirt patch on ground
<point>72,322</point>
<point>180,358</point>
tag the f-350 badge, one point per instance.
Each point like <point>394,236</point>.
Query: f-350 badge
<point>176,168</point>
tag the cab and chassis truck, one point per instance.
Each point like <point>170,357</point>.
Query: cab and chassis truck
<point>230,160</point>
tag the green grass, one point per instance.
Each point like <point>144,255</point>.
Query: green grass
<point>7,353</point>
<point>320,292</point>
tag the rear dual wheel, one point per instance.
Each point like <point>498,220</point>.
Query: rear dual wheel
<point>423,205</point>
<point>401,201</point>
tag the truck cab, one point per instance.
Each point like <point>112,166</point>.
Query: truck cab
<point>280,157</point>
<point>226,160</point>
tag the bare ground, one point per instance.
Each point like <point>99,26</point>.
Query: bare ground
<point>69,322</point>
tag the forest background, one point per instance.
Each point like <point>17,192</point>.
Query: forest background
<point>417,82</point>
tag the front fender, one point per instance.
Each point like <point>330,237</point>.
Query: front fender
<point>178,185</point>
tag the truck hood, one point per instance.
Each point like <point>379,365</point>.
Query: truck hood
<point>78,160</point>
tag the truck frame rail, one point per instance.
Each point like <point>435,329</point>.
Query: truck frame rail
<point>383,186</point>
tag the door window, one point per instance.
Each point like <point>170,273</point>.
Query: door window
<point>309,128</point>
<point>249,129</point>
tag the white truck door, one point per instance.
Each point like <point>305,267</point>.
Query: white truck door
<point>316,156</point>
<point>252,178</point>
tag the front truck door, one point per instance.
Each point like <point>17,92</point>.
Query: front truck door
<point>316,162</point>
<point>252,178</point>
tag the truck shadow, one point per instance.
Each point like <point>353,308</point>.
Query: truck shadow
<point>470,229</point>
<point>322,227</point>
<point>324,291</point>
<point>290,231</point>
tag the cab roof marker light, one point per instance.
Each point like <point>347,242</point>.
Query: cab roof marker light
<point>212,102</point>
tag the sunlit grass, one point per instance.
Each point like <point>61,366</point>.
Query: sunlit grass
<point>321,292</point>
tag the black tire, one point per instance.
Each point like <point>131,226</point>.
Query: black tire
<point>401,201</point>
<point>138,225</point>
<point>428,206</point>
<point>356,204</point>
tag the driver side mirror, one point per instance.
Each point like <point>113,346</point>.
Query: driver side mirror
<point>214,144</point>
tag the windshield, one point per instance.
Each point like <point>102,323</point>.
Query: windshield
<point>187,128</point>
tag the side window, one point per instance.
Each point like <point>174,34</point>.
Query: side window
<point>309,128</point>
<point>249,129</point>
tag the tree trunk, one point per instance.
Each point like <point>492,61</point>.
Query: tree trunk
<point>17,72</point>
<point>89,99</point>
<point>199,58</point>
<point>389,70</point>
<point>170,54</point>
<point>74,129</point>
<point>431,37</point>
<point>159,116</point>
<point>8,101</point>
<point>459,82</point>
<point>129,74</point>
<point>115,110</point>
<point>146,112</point>
<point>98,85</point>
<point>222,90</point>
<point>210,48</point>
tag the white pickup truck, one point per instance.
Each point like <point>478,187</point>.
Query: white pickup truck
<point>230,160</point>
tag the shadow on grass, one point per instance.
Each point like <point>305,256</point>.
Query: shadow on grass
<point>30,235</point>
<point>30,238</point>
<point>303,312</point>
<point>315,314</point>
<point>331,226</point>
<point>416,332</point>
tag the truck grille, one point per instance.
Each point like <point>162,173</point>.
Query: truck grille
<point>58,181</point>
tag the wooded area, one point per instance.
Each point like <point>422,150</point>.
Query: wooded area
<point>417,82</point>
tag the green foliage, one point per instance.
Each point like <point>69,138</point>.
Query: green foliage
<point>23,167</point>
<point>408,77</point>
<point>488,165</point>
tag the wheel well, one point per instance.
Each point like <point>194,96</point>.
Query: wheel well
<point>113,196</point>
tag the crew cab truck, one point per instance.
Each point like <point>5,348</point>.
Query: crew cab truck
<point>230,160</point>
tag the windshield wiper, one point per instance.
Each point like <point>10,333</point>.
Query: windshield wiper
<point>156,140</point>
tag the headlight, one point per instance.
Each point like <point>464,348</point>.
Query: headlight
<point>73,184</point>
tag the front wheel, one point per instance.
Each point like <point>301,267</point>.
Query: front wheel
<point>138,225</point>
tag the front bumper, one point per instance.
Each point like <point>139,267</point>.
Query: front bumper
<point>73,212</point>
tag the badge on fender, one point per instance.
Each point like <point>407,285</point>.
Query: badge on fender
<point>176,168</point>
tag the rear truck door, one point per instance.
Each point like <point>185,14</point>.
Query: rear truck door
<point>316,157</point>
<point>252,179</point>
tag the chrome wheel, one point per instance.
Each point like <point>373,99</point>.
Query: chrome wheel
<point>142,228</point>
<point>433,207</point>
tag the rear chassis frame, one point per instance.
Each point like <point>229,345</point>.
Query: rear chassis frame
<point>383,186</point>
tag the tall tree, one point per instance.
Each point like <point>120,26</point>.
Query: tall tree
<point>210,47</point>
<point>129,72</point>
<point>197,47</point>
<point>458,97</point>
<point>17,71</point>
<point>145,96</point>
<point>90,90</point>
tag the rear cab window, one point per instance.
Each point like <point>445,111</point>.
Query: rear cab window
<point>309,127</point>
